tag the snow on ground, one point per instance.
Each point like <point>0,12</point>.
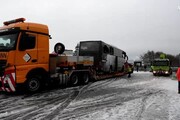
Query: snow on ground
<point>163,104</point>
<point>141,97</point>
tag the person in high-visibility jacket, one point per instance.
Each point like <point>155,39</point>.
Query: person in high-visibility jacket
<point>178,78</point>
<point>128,69</point>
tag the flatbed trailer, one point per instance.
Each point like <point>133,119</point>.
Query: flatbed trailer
<point>71,70</point>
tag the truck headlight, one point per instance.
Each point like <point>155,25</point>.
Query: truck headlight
<point>154,71</point>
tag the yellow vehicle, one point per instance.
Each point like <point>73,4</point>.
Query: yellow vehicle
<point>161,66</point>
<point>25,61</point>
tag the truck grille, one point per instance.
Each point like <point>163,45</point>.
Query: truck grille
<point>2,66</point>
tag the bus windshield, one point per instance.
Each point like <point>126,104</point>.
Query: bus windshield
<point>8,41</point>
<point>160,63</point>
<point>89,46</point>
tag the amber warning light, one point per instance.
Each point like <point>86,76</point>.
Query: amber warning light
<point>14,21</point>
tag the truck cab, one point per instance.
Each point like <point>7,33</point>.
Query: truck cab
<point>20,45</point>
<point>161,67</point>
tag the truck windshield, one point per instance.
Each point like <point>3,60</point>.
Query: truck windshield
<point>8,41</point>
<point>160,63</point>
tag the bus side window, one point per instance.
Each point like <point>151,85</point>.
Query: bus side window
<point>27,42</point>
<point>111,51</point>
<point>124,54</point>
<point>105,49</point>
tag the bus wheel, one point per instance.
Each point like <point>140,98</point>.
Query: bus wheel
<point>33,84</point>
<point>74,79</point>
<point>86,78</point>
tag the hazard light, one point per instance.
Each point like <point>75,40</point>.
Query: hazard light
<point>14,21</point>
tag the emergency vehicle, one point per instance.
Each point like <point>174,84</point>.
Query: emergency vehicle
<point>161,66</point>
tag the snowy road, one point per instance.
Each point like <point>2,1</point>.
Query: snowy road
<point>142,97</point>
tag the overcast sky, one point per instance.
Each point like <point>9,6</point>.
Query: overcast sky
<point>134,26</point>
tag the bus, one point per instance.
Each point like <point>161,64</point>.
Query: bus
<point>107,58</point>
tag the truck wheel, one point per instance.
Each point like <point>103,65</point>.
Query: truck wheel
<point>85,79</point>
<point>74,79</point>
<point>33,84</point>
<point>59,48</point>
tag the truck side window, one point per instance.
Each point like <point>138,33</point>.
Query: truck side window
<point>27,42</point>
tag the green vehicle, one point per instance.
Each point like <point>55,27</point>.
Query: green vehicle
<point>161,67</point>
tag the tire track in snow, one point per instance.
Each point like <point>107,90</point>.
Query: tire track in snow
<point>65,104</point>
<point>32,108</point>
<point>38,104</point>
<point>21,106</point>
<point>102,83</point>
<point>144,103</point>
<point>44,106</point>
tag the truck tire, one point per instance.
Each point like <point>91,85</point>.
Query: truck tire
<point>59,48</point>
<point>74,79</point>
<point>85,79</point>
<point>33,84</point>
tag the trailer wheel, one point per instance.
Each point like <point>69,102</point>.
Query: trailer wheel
<point>74,79</point>
<point>85,79</point>
<point>33,84</point>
